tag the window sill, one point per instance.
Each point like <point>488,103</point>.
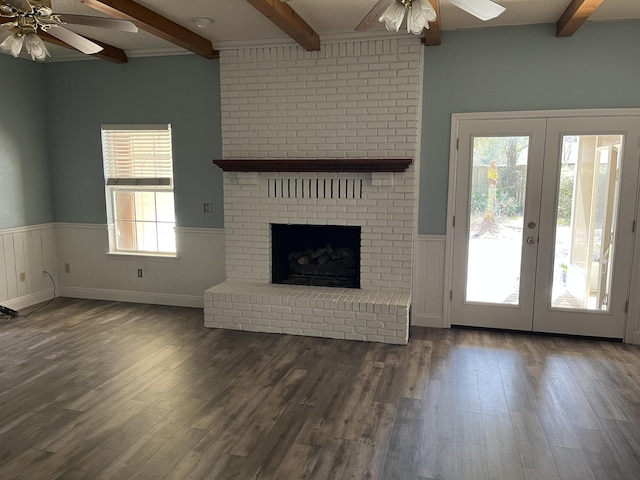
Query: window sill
<point>157,257</point>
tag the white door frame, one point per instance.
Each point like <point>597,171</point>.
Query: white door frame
<point>632,328</point>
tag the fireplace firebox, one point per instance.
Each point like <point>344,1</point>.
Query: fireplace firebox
<point>318,255</point>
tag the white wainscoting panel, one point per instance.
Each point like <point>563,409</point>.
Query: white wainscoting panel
<point>428,283</point>
<point>25,254</point>
<point>181,281</point>
<point>168,281</point>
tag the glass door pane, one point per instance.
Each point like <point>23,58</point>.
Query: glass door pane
<point>588,191</point>
<point>587,212</point>
<point>496,219</point>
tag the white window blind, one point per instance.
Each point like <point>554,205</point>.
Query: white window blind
<point>137,154</point>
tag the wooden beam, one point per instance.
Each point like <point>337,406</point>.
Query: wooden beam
<point>156,24</point>
<point>108,52</point>
<point>313,165</point>
<point>289,22</point>
<point>575,15</point>
<point>431,36</point>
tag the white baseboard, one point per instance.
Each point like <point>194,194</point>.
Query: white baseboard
<point>133,297</point>
<point>29,300</point>
<point>423,320</point>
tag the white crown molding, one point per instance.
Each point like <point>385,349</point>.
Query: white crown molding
<point>324,40</point>
<point>239,44</point>
<point>157,52</point>
<point>376,35</point>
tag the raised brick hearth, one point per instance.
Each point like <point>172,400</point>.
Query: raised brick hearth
<point>344,313</point>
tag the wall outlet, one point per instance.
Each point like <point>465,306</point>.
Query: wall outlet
<point>23,277</point>
<point>139,273</point>
<point>67,268</point>
<point>207,207</point>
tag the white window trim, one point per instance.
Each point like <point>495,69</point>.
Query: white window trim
<point>115,183</point>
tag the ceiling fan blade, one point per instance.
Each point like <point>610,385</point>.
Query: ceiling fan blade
<point>483,9</point>
<point>89,21</point>
<point>22,5</point>
<point>372,17</point>
<point>76,41</point>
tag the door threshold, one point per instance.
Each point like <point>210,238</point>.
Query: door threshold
<point>538,334</point>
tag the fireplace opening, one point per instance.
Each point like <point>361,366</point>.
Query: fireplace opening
<point>318,255</point>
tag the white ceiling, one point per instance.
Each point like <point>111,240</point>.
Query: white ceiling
<point>237,20</point>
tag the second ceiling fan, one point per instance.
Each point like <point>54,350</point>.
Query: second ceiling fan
<point>420,12</point>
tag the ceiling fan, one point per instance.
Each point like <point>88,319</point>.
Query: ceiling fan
<point>420,12</point>
<point>26,17</point>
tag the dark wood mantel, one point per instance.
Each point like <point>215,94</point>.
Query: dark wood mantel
<point>312,165</point>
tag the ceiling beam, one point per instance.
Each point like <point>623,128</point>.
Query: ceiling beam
<point>156,24</point>
<point>289,22</point>
<point>108,52</point>
<point>575,15</point>
<point>431,36</point>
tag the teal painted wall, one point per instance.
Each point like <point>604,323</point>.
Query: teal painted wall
<point>25,193</point>
<point>511,68</point>
<point>181,90</point>
<point>517,68</point>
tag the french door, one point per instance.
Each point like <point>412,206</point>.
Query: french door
<point>544,222</point>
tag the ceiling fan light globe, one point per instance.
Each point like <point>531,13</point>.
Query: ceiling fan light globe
<point>7,42</point>
<point>36,47</point>
<point>420,14</point>
<point>13,44</point>
<point>393,16</point>
<point>428,11</point>
<point>16,48</point>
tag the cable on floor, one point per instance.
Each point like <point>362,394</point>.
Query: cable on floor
<point>48,302</point>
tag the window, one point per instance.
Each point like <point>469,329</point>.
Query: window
<point>138,170</point>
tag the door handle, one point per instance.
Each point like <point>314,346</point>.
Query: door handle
<point>531,240</point>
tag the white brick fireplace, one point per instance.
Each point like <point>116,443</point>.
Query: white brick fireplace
<point>355,99</point>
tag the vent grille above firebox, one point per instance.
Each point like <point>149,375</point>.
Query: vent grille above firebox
<point>320,188</point>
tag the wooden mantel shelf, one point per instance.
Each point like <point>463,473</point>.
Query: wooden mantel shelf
<point>311,165</point>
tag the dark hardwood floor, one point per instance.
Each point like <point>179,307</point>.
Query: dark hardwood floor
<point>104,390</point>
